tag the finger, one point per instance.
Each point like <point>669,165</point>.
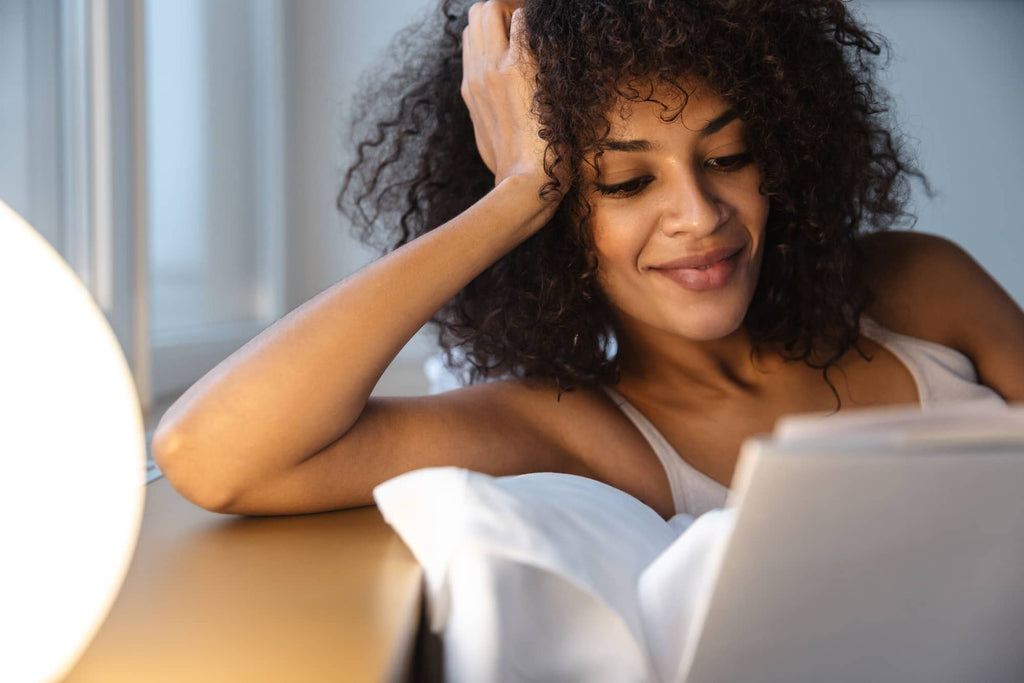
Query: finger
<point>494,31</point>
<point>472,43</point>
<point>518,44</point>
<point>472,34</point>
<point>508,9</point>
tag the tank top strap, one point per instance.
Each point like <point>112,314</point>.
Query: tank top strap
<point>693,492</point>
<point>941,373</point>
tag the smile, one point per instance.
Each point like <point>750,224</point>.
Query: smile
<point>695,276</point>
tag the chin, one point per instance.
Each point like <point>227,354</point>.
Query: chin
<point>712,324</point>
<point>712,331</point>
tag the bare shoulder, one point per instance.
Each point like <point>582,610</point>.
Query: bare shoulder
<point>928,287</point>
<point>909,273</point>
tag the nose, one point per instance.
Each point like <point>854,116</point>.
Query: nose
<point>691,206</point>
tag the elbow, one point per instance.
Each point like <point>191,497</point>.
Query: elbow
<point>190,471</point>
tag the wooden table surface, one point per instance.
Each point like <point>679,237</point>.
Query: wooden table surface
<point>209,597</point>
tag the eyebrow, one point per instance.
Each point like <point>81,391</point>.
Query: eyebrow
<point>713,127</point>
<point>626,146</point>
<point>719,123</point>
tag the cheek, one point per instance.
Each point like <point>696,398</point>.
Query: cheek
<point>616,249</point>
<point>756,205</point>
<point>620,232</point>
<point>759,216</point>
<point>763,206</point>
<point>617,253</point>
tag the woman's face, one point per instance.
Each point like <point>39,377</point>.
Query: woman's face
<point>677,217</point>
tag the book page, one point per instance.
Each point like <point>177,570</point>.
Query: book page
<point>973,422</point>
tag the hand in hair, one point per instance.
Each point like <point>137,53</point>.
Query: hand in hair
<point>498,84</point>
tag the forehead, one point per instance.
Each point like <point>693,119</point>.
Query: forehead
<point>691,104</point>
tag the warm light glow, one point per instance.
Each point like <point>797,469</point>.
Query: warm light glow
<point>73,453</point>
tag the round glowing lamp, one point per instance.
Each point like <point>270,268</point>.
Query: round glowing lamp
<point>73,452</point>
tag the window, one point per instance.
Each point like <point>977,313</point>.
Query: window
<point>147,140</point>
<point>68,152</point>
<point>144,141</point>
<point>214,116</point>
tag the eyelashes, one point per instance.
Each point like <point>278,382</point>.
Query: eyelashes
<point>626,189</point>
<point>633,186</point>
<point>730,163</point>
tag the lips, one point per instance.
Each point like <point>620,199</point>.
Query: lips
<point>707,258</point>
<point>701,272</point>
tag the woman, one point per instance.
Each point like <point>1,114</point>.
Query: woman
<point>649,224</point>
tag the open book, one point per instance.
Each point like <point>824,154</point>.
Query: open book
<point>882,545</point>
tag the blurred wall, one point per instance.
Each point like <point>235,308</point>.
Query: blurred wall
<point>957,74</point>
<point>328,45</point>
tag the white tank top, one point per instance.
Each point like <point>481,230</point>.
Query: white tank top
<point>942,375</point>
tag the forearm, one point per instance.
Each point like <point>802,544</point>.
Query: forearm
<point>302,383</point>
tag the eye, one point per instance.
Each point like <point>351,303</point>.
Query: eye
<point>730,163</point>
<point>626,189</point>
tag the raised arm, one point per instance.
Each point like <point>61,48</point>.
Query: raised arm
<point>296,392</point>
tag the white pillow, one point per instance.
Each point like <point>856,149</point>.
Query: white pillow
<point>554,577</point>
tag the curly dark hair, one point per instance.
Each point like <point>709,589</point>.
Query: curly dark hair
<point>801,75</point>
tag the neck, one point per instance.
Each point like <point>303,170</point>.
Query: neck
<point>672,366</point>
